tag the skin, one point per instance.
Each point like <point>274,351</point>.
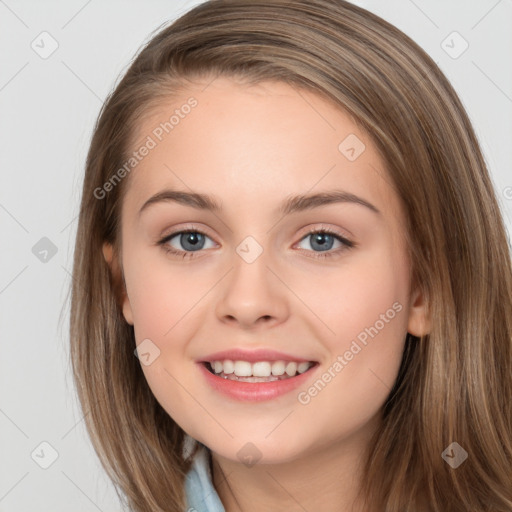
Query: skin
<point>251,147</point>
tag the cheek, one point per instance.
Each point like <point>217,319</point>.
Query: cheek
<point>354,295</point>
<point>364,324</point>
<point>373,338</point>
<point>161,296</point>
<point>165,302</point>
<point>162,305</point>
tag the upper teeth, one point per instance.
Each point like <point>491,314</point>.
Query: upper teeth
<point>260,368</point>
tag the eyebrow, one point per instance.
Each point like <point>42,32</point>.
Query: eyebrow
<point>290,205</point>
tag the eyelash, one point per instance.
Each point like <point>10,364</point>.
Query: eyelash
<point>320,255</point>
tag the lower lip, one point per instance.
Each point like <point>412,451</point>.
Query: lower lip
<point>255,391</point>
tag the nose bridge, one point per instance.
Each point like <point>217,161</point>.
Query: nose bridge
<point>251,289</point>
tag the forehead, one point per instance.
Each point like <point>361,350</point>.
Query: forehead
<point>252,145</point>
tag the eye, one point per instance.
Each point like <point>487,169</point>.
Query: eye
<point>324,239</point>
<point>192,240</point>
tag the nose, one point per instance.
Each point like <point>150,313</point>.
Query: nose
<point>252,294</point>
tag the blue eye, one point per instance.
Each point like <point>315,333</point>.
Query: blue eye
<point>190,240</point>
<point>323,239</point>
<point>193,240</point>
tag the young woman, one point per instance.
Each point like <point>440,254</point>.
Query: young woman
<point>292,283</point>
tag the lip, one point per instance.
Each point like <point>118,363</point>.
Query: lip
<point>252,356</point>
<point>255,391</point>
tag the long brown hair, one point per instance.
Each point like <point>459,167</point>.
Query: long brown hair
<point>454,385</point>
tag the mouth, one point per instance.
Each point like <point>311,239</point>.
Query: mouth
<point>263,371</point>
<point>257,381</point>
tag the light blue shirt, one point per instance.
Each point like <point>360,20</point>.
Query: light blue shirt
<point>200,493</point>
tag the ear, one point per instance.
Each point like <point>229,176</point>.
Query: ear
<point>119,289</point>
<point>419,323</point>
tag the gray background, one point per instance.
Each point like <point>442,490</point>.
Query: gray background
<point>48,107</point>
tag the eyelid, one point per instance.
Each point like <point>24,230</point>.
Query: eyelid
<point>326,228</point>
<point>303,232</point>
<point>186,227</point>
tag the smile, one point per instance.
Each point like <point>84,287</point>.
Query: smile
<point>241,380</point>
<point>259,371</point>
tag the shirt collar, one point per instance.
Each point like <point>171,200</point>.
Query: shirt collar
<point>200,492</point>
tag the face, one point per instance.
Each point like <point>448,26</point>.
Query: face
<point>325,282</point>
